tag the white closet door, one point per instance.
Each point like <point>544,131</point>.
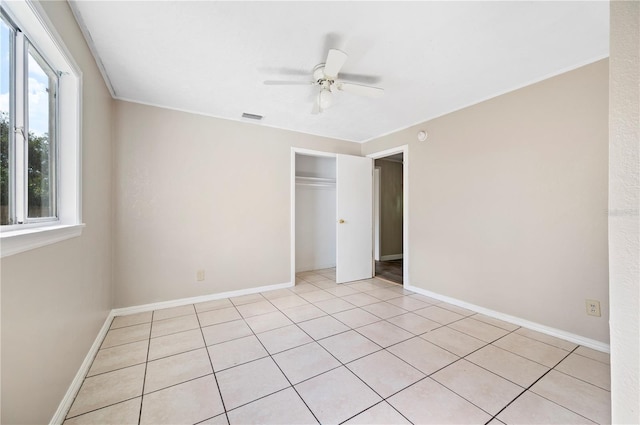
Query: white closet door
<point>354,205</point>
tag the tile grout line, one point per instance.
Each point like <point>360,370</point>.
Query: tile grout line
<point>102,407</point>
<point>269,354</point>
<point>535,382</point>
<point>279,368</point>
<point>340,363</point>
<point>457,360</point>
<point>428,376</point>
<point>85,378</point>
<point>546,343</point>
<point>523,357</point>
<point>345,365</point>
<point>464,357</point>
<point>213,371</point>
<point>313,340</point>
<point>145,369</point>
<point>384,400</point>
<point>493,373</point>
<point>589,358</point>
<point>580,379</point>
<point>385,349</point>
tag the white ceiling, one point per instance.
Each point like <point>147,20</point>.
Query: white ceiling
<point>430,57</point>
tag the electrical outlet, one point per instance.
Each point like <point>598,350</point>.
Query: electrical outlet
<point>200,275</point>
<point>593,308</point>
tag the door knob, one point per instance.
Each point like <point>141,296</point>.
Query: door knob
<point>341,221</point>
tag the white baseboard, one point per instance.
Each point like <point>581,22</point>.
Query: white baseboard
<point>70,395</point>
<point>313,267</point>
<point>200,299</point>
<point>391,257</point>
<point>73,389</point>
<point>558,333</point>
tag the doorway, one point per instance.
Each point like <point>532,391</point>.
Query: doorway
<point>390,214</point>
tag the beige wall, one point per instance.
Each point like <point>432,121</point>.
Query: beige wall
<point>508,198</point>
<point>193,192</point>
<point>390,207</point>
<point>56,298</point>
<point>514,189</point>
<point>624,200</point>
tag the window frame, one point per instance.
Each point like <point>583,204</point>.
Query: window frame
<point>31,50</point>
<point>32,21</point>
<point>21,51</point>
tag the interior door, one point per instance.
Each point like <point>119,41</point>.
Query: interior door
<point>354,207</point>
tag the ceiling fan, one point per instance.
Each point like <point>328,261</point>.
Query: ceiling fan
<point>325,76</point>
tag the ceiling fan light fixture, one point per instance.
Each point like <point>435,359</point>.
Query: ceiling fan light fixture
<point>325,98</point>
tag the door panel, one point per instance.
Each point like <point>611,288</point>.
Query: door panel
<point>354,207</point>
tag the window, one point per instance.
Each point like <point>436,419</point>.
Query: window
<point>28,114</point>
<point>39,132</point>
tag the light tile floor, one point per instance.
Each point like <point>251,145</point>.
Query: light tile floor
<point>369,352</point>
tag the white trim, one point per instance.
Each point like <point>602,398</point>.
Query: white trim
<point>391,257</point>
<point>292,218</point>
<point>548,330</point>
<point>199,299</point>
<point>377,171</point>
<point>89,40</point>
<point>72,391</point>
<point>389,152</point>
<point>53,33</point>
<point>404,149</point>
<point>264,122</point>
<point>14,242</point>
<point>312,152</point>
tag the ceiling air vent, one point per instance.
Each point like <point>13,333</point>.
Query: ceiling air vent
<point>251,116</point>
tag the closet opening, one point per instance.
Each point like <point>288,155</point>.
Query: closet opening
<point>315,213</point>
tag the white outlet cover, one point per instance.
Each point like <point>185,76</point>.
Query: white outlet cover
<point>593,308</point>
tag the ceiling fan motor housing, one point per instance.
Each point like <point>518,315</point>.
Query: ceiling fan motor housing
<point>320,78</point>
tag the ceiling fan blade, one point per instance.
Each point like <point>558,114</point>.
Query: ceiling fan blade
<point>288,83</point>
<point>361,78</point>
<point>284,71</point>
<point>360,89</point>
<point>335,60</point>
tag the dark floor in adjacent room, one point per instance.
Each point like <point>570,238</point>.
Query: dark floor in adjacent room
<point>390,270</point>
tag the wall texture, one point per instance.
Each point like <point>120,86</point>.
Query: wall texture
<point>56,298</point>
<point>508,200</point>
<point>624,202</point>
<point>390,207</point>
<point>194,192</point>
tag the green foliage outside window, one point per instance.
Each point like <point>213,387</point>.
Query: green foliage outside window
<point>38,173</point>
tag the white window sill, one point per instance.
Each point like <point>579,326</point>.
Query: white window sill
<point>16,241</point>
